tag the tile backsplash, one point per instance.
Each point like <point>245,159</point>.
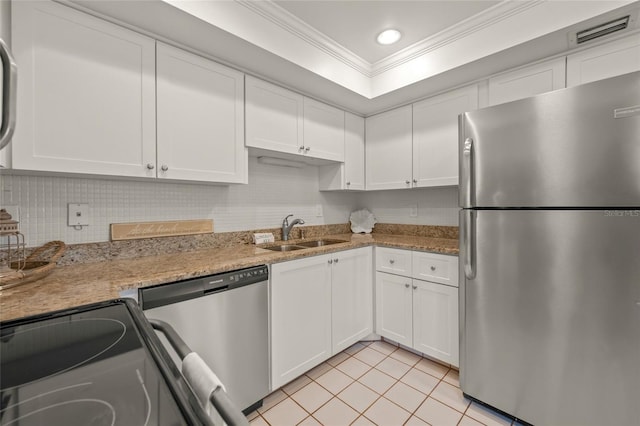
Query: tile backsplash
<point>435,206</point>
<point>272,193</point>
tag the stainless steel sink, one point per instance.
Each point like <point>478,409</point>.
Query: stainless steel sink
<point>303,245</point>
<point>285,247</point>
<point>319,243</point>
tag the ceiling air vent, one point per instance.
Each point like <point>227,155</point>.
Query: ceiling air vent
<point>602,30</point>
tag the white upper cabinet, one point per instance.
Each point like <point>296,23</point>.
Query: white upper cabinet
<point>388,149</point>
<point>283,121</point>
<point>528,81</point>
<point>323,131</point>
<point>604,61</point>
<point>274,117</point>
<point>353,152</point>
<point>86,93</point>
<point>350,174</point>
<point>435,136</point>
<point>200,118</point>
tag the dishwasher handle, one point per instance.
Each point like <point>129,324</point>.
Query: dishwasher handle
<point>220,400</point>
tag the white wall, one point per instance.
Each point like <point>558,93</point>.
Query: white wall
<point>436,206</point>
<point>272,193</point>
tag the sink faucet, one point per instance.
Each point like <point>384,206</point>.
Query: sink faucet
<point>286,227</point>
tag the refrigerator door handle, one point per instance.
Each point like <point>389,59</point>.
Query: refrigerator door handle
<point>466,165</point>
<point>9,79</point>
<point>469,243</point>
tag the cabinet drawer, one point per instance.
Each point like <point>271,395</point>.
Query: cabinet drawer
<point>394,261</point>
<point>435,268</point>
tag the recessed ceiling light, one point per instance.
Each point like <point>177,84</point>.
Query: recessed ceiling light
<point>388,36</point>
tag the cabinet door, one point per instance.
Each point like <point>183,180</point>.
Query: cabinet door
<point>394,316</point>
<point>435,320</point>
<point>351,297</point>
<point>350,174</point>
<point>200,118</point>
<point>524,82</point>
<point>273,117</point>
<point>388,149</point>
<point>354,152</point>
<point>87,93</point>
<point>435,136</point>
<point>604,61</point>
<point>300,317</point>
<point>323,131</point>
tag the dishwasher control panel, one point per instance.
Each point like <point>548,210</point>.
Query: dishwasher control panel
<point>165,294</point>
<point>238,278</point>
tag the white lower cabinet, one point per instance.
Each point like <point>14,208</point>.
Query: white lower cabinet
<point>351,298</point>
<point>435,320</point>
<point>319,306</point>
<point>394,317</point>
<point>419,314</point>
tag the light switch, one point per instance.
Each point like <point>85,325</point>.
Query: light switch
<point>78,214</point>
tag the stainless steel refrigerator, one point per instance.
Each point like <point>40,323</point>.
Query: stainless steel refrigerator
<point>550,255</point>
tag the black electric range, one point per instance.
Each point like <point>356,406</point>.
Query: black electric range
<point>99,364</point>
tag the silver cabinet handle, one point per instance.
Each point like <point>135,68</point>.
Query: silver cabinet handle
<point>307,148</point>
<point>9,93</point>
<point>433,268</point>
<point>406,286</point>
<point>301,148</point>
<point>407,182</point>
<point>467,235</point>
<point>164,168</point>
<point>335,260</point>
<point>348,183</point>
<point>415,287</point>
<point>391,261</point>
<point>415,181</point>
<point>330,261</point>
<point>151,166</point>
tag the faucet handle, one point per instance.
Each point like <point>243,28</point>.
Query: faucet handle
<point>285,222</point>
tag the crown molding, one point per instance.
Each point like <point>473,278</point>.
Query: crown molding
<point>491,16</point>
<point>294,25</point>
<point>297,27</point>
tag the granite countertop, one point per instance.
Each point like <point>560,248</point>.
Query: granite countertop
<point>75,285</point>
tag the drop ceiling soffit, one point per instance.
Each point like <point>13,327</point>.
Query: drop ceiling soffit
<point>299,28</point>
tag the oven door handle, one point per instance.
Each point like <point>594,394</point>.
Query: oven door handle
<point>179,345</point>
<point>220,400</point>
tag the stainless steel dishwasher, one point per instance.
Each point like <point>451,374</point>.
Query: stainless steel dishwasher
<point>224,318</point>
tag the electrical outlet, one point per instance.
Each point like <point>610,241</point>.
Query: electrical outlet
<point>413,210</point>
<point>319,210</point>
<point>78,214</point>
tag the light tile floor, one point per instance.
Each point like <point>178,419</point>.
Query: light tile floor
<point>374,383</point>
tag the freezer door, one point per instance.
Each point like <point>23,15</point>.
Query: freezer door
<point>577,147</point>
<point>550,318</point>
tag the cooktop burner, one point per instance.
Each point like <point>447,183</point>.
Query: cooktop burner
<point>86,367</point>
